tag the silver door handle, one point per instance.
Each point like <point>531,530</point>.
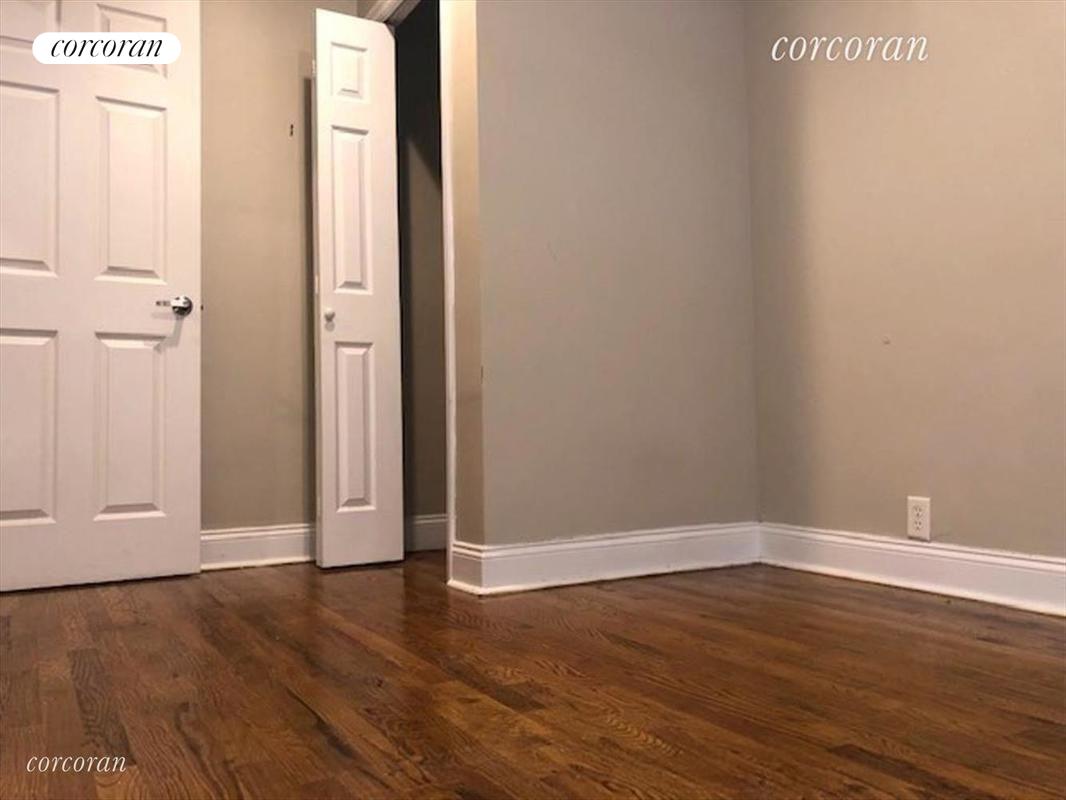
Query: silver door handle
<point>180,305</point>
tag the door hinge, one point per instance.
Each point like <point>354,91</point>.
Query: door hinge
<point>314,68</point>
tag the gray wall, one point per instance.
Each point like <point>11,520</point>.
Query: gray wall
<point>459,35</point>
<point>615,282</point>
<point>258,379</point>
<point>906,246</point>
<point>258,446</point>
<point>911,289</point>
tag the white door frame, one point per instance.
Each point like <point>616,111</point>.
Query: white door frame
<point>393,12</point>
<point>447,185</point>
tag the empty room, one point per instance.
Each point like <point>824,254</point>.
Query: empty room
<point>579,399</point>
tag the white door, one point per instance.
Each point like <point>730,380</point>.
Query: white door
<point>99,219</point>
<point>357,302</point>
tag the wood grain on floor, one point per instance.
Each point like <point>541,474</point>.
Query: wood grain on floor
<point>749,682</point>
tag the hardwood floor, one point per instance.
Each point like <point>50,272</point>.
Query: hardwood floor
<point>749,682</point>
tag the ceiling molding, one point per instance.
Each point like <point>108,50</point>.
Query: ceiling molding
<point>392,12</point>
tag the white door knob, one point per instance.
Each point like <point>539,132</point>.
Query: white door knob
<point>329,314</point>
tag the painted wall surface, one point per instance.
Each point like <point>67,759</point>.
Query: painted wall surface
<point>616,289</point>
<point>905,243</point>
<point>258,377</point>
<point>459,35</point>
<point>911,290</point>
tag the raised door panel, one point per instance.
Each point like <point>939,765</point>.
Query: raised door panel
<point>28,432</point>
<point>28,186</point>
<point>347,71</point>
<point>350,229</point>
<point>133,192</point>
<point>112,19</point>
<point>130,404</point>
<point>22,20</point>
<point>355,431</point>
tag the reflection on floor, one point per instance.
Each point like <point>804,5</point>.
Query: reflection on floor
<point>380,682</point>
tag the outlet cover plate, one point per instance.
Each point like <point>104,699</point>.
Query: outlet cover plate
<point>919,519</point>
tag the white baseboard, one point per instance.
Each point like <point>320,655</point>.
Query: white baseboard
<point>269,545</point>
<point>426,532</point>
<point>494,569</point>
<point>1030,582</point>
<point>256,547</point>
<point>1034,583</point>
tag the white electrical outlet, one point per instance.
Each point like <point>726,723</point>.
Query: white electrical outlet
<point>919,519</point>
